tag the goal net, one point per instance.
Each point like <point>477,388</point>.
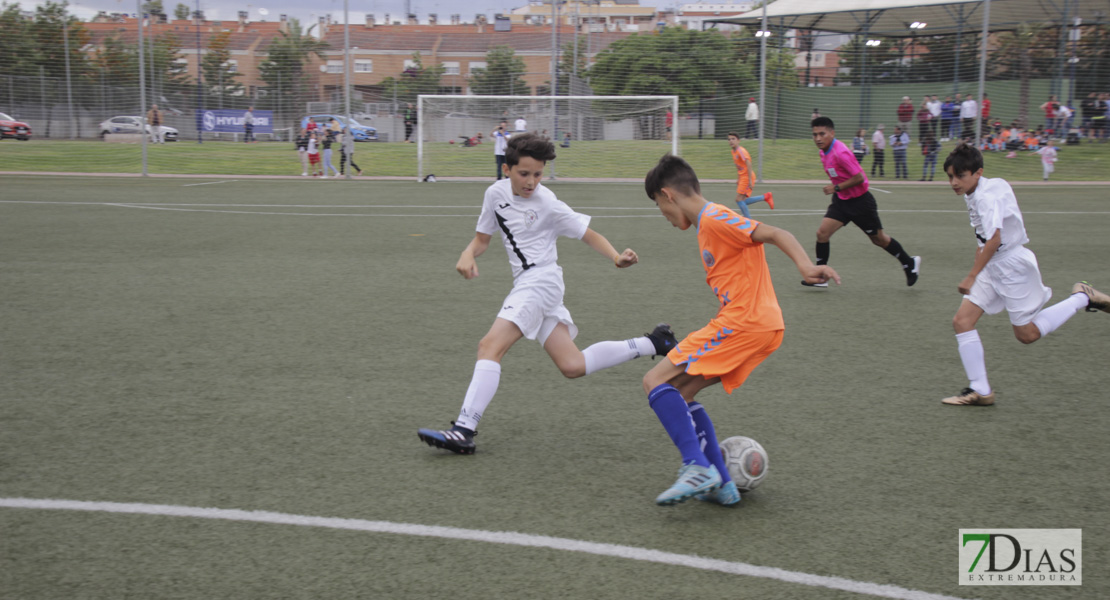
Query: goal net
<point>596,137</point>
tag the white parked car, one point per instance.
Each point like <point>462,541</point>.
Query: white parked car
<point>133,125</point>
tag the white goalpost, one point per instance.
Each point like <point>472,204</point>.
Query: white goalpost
<point>596,137</point>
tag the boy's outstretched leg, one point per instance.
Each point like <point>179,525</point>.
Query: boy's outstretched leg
<point>769,198</point>
<point>573,363</point>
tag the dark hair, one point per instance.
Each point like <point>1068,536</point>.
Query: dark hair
<point>822,122</point>
<point>733,134</point>
<point>671,172</point>
<point>531,145</point>
<point>964,158</point>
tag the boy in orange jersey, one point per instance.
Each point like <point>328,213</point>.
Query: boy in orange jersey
<point>745,177</point>
<point>747,329</point>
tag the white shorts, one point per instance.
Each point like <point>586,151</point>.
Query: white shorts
<point>535,303</point>
<point>1011,281</point>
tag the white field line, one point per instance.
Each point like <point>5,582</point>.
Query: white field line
<point>209,183</point>
<point>494,537</point>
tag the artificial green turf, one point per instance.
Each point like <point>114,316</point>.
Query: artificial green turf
<point>280,358</point>
<point>783,159</point>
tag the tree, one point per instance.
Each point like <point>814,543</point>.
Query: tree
<point>219,76</point>
<point>48,32</point>
<point>154,7</point>
<point>686,63</point>
<point>502,75</point>
<point>181,12</point>
<point>283,69</point>
<point>415,80</point>
<point>19,55</point>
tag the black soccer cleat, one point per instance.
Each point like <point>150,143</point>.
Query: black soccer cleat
<point>911,274</point>
<point>459,440</point>
<point>663,339</point>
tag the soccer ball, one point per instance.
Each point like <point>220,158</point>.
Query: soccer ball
<point>746,461</point>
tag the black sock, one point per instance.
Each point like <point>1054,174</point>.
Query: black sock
<point>895,250</point>
<point>822,253</point>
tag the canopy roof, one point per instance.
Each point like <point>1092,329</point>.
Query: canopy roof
<point>894,17</point>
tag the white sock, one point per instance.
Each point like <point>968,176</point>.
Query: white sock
<point>1051,318</point>
<point>483,385</point>
<point>603,355</point>
<point>975,365</point>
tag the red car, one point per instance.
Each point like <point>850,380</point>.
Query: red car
<point>10,128</point>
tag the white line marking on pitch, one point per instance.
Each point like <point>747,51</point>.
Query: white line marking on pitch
<point>494,537</point>
<point>878,190</point>
<point>209,183</point>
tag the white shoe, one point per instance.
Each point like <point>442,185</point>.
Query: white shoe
<point>305,174</point>
<point>323,177</point>
<point>816,285</point>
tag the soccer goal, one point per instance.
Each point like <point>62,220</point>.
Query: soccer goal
<point>596,137</point>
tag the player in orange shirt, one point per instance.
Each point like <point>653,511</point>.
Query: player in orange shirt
<point>745,177</point>
<point>747,329</point>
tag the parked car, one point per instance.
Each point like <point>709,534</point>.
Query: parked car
<point>11,128</point>
<point>134,125</point>
<point>362,133</point>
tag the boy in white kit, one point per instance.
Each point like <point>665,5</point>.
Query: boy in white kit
<point>530,219</point>
<point>1004,275</point>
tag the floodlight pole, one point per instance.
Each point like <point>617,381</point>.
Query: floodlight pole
<point>347,89</point>
<point>762,90</point>
<point>142,88</point>
<point>69,85</point>
<point>982,70</point>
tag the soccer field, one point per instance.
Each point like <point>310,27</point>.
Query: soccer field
<point>224,380</point>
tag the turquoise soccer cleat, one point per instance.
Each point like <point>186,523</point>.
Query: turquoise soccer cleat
<point>692,480</point>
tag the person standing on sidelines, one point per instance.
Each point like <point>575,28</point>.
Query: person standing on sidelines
<point>934,107</point>
<point>899,143</point>
<point>347,154</point>
<point>302,151</point>
<point>905,113</point>
<point>950,114</point>
<point>154,120</point>
<point>248,125</point>
<point>851,202</point>
<point>1048,157</point>
<point>747,328</point>
<point>500,144</point>
<point>878,148</point>
<point>521,126</point>
<point>745,177</point>
<point>752,118</point>
<point>530,219</point>
<point>930,147</point>
<point>410,120</point>
<point>968,111</point>
<point>1004,275</point>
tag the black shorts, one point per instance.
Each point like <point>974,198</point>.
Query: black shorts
<point>861,210</point>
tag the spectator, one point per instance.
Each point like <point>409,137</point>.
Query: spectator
<point>410,120</point>
<point>816,113</point>
<point>929,148</point>
<point>329,139</point>
<point>949,112</point>
<point>1063,120</point>
<point>668,121</point>
<point>878,146</point>
<point>752,117</point>
<point>859,145</point>
<point>154,119</point>
<point>934,107</point>
<point>1102,113</point>
<point>248,125</point>
<point>1087,109</point>
<point>521,125</point>
<point>500,144</point>
<point>898,144</point>
<point>969,110</point>
<point>302,151</point>
<point>347,154</point>
<point>985,128</point>
<point>924,119</point>
<point>1049,107</point>
<point>313,150</point>
<point>905,113</point>
<point>566,139</point>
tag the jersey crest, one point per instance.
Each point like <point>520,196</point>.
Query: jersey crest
<point>707,258</point>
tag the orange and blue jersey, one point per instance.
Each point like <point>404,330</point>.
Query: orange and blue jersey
<point>741,157</point>
<point>736,270</point>
<point>840,165</point>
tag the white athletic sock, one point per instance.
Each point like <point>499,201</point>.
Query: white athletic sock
<point>1051,318</point>
<point>603,355</point>
<point>971,354</point>
<point>483,385</point>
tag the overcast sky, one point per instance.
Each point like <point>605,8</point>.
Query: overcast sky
<point>300,9</point>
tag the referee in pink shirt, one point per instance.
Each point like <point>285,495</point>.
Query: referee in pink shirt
<point>851,202</point>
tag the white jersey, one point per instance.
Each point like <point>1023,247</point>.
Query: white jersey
<point>521,125</point>
<point>529,226</point>
<point>500,143</point>
<point>993,206</point>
